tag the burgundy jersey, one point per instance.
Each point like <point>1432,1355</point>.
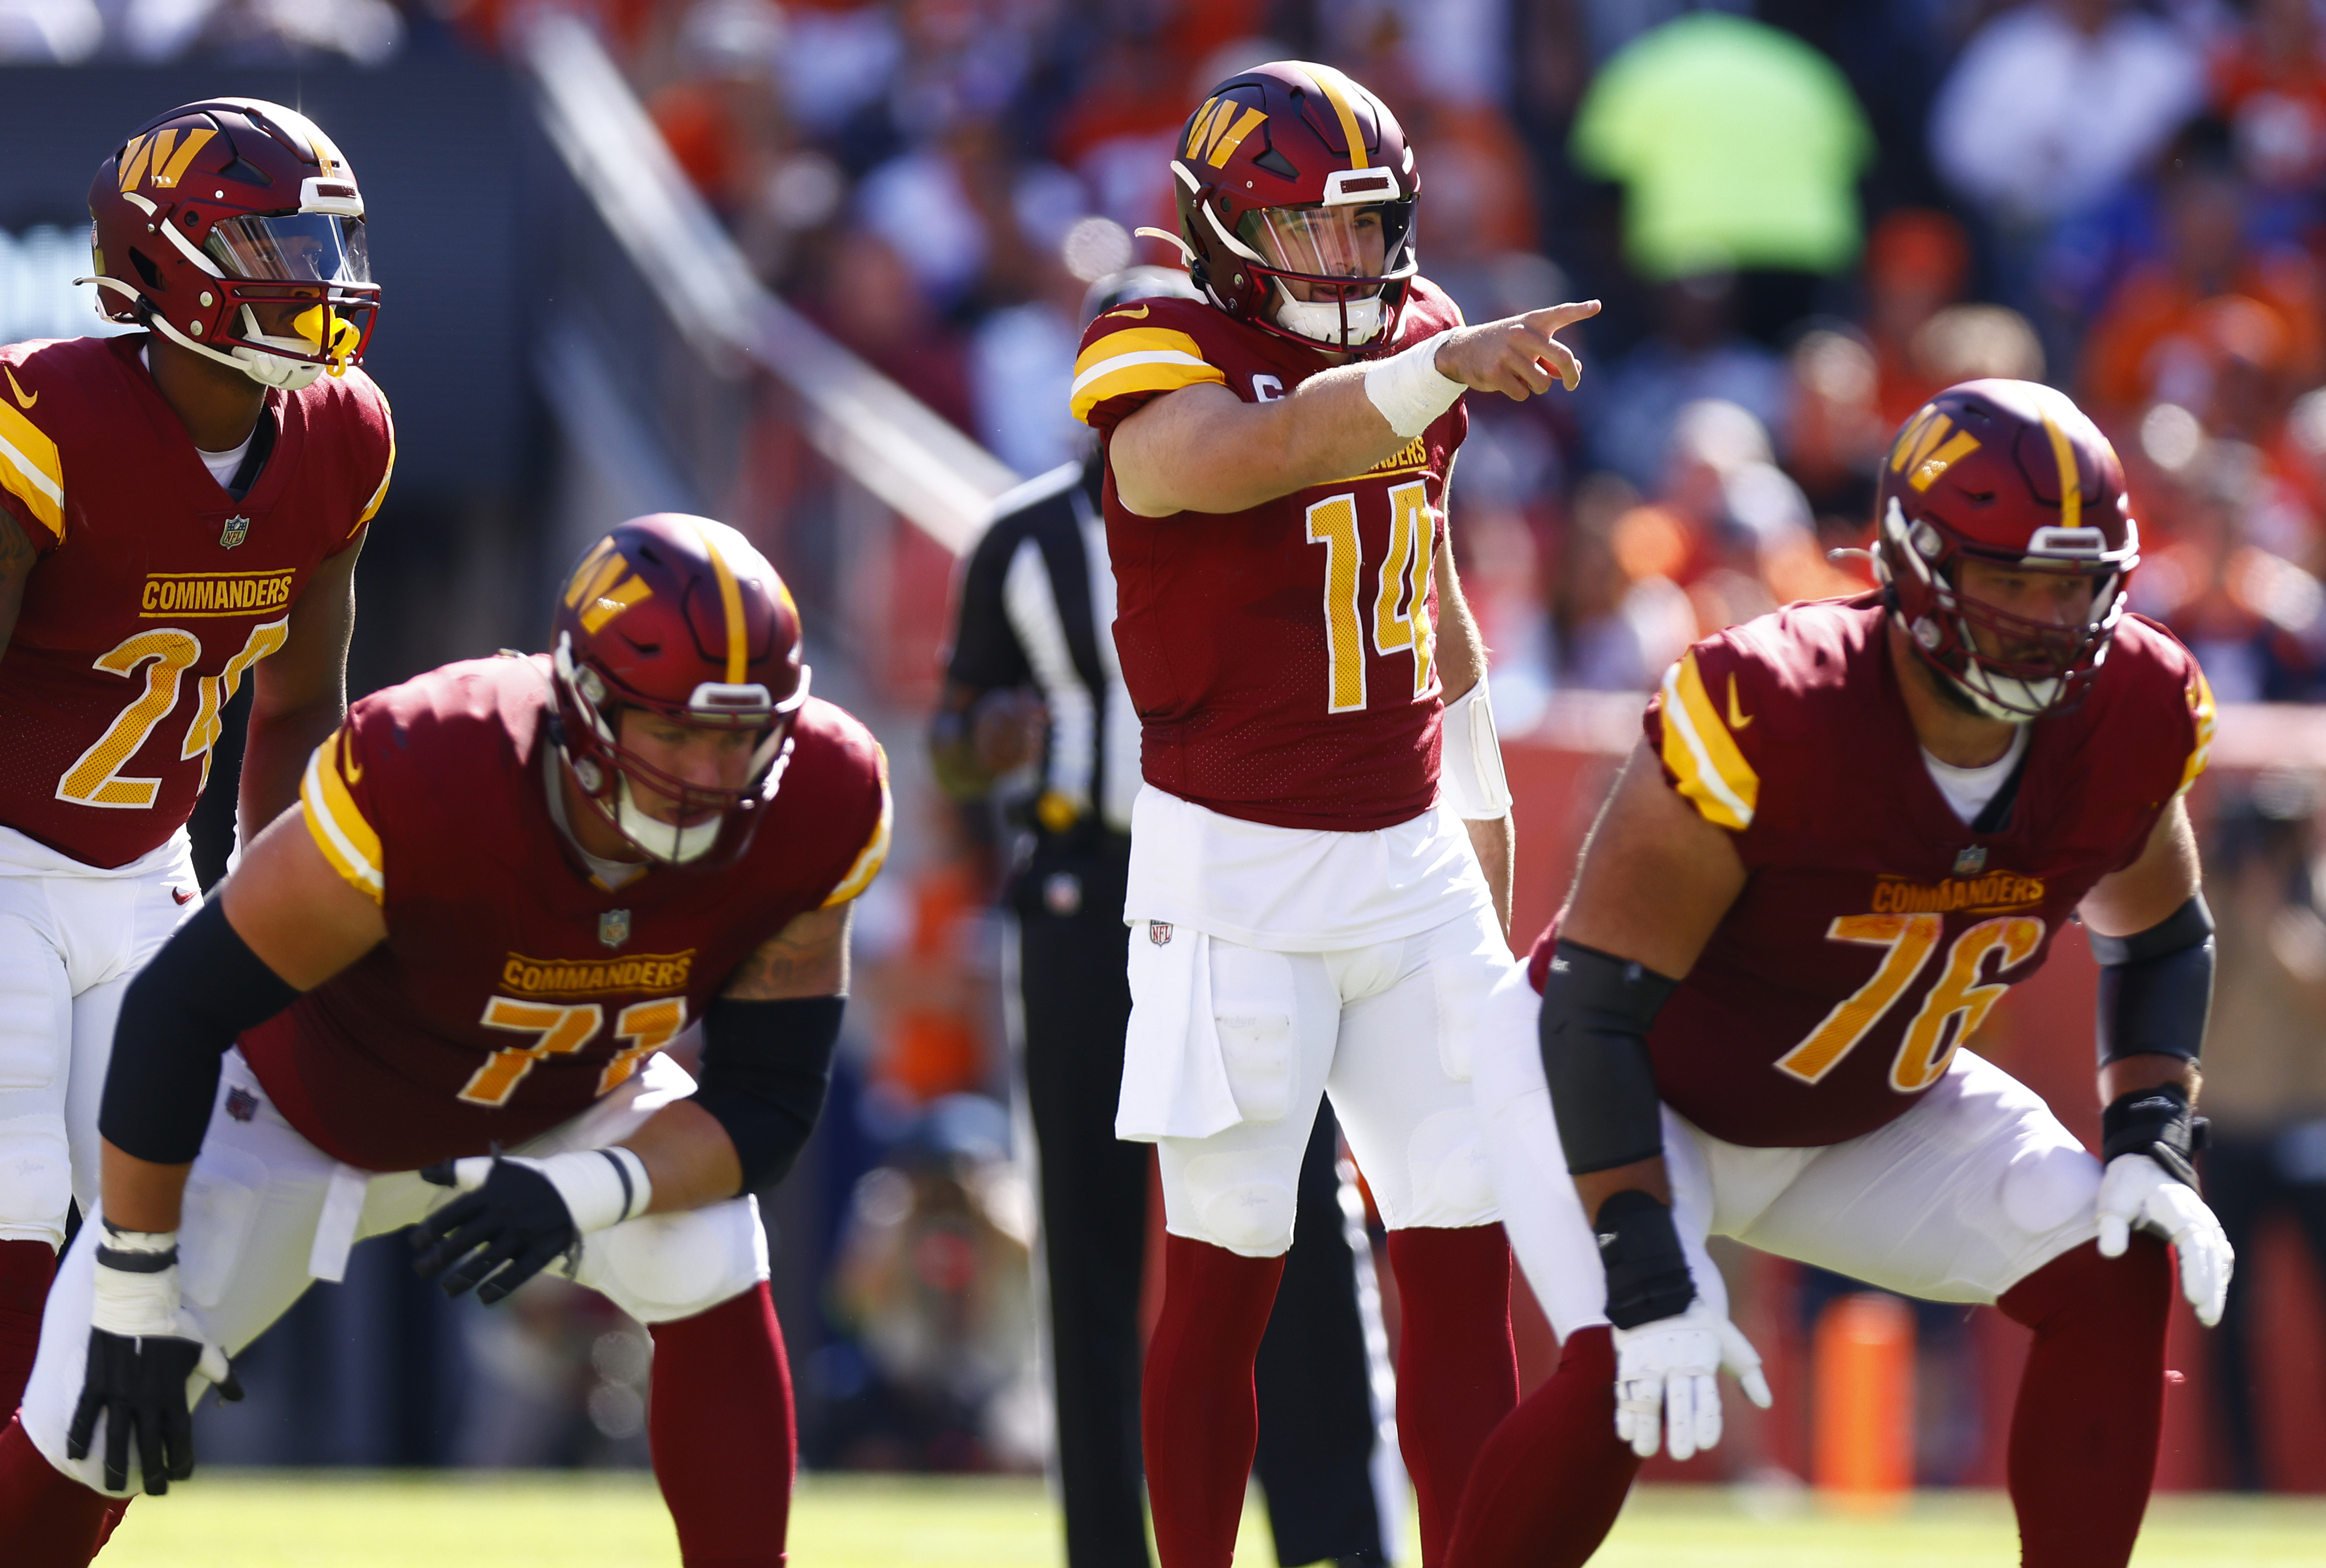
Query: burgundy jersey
<point>156,590</point>
<point>1877,929</point>
<point>1282,658</point>
<point>515,987</point>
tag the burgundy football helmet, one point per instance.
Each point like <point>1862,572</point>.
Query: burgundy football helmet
<point>1280,174</point>
<point>679,616</point>
<point>2014,474</point>
<point>219,206</point>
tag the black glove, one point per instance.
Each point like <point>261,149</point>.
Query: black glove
<point>2160,1124</point>
<point>140,1384</point>
<point>495,1237</point>
<point>1647,1273</point>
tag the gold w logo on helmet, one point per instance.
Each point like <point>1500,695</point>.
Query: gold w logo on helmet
<point>162,156</point>
<point>1919,448</point>
<point>1217,131</point>
<point>598,578</point>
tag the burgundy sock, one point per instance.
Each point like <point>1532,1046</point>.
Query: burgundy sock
<point>720,1427</point>
<point>1457,1370</point>
<point>25,1270</point>
<point>48,1520</point>
<point>1198,1421</point>
<point>2091,1403</point>
<point>1550,1481</point>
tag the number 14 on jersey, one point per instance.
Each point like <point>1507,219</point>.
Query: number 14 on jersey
<point>1401,617</point>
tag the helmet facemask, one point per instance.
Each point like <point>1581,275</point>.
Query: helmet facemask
<point>2035,669</point>
<point>1349,259</point>
<point>612,775</point>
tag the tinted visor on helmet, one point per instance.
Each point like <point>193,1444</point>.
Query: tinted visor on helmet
<point>1323,243</point>
<point>296,247</point>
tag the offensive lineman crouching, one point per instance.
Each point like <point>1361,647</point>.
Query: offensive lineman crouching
<point>1854,825</point>
<point>510,883</point>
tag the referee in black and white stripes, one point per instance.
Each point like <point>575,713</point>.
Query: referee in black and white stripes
<point>1033,678</point>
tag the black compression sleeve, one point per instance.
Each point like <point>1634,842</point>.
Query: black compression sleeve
<point>766,1066</point>
<point>2156,986</point>
<point>182,1012</point>
<point>1595,1013</point>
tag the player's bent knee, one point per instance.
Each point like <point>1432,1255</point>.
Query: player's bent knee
<point>1451,1184</point>
<point>662,1268</point>
<point>2044,1189</point>
<point>1241,1202</point>
<point>35,1175</point>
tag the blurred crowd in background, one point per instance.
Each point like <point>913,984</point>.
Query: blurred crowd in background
<point>1803,216</point>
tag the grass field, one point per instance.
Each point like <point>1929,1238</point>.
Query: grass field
<point>616,1520</point>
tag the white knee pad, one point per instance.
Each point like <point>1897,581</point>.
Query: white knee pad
<point>1240,1199</point>
<point>35,1176</point>
<point>1449,1183</point>
<point>663,1268</point>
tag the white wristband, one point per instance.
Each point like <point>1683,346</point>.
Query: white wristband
<point>600,1186</point>
<point>136,1295</point>
<point>1470,757</point>
<point>1409,388</point>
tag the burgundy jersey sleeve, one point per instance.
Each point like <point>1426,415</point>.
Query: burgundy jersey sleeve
<point>1700,723</point>
<point>339,800</point>
<point>862,808</point>
<point>1138,352</point>
<point>372,429</point>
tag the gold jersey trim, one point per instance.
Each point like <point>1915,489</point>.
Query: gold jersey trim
<point>1138,359</point>
<point>2201,708</point>
<point>31,470</point>
<point>1701,754</point>
<point>875,853</point>
<point>349,841</point>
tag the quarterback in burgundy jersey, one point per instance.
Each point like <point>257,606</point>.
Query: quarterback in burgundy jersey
<point>180,509</point>
<point>1321,846</point>
<point>510,884</point>
<point>1854,825</point>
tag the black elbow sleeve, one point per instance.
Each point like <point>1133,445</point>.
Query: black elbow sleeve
<point>766,1066</point>
<point>2156,986</point>
<point>1595,1013</point>
<point>180,1013</point>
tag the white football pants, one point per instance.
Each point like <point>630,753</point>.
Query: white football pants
<point>266,1211</point>
<point>1976,1187</point>
<point>72,938</point>
<point>1385,1029</point>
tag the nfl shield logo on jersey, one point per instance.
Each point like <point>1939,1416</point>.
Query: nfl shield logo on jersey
<point>614,928</point>
<point>1159,932</point>
<point>1970,862</point>
<point>235,531</point>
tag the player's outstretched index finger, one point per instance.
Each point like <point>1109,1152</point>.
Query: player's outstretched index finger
<point>1550,319</point>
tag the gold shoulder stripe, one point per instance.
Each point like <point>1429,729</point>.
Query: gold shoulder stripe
<point>869,860</point>
<point>31,470</point>
<point>349,841</point>
<point>2200,708</point>
<point>1701,754</point>
<point>371,507</point>
<point>1138,359</point>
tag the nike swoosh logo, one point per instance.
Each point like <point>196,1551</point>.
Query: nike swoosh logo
<point>1737,721</point>
<point>350,765</point>
<point>1126,312</point>
<point>183,895</point>
<point>22,401</point>
<point>1606,1240</point>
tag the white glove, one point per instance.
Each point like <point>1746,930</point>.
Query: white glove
<point>2138,1193</point>
<point>1668,1369</point>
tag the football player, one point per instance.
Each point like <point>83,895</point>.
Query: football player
<point>509,885</point>
<point>1854,825</point>
<point>1320,851</point>
<point>179,508</point>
